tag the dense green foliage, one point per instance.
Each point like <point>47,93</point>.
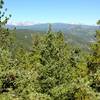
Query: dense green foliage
<point>51,70</point>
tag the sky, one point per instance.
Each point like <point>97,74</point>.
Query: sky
<point>53,11</point>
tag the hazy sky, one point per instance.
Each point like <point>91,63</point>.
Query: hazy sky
<point>44,11</point>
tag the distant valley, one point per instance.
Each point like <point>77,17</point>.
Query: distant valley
<point>80,35</point>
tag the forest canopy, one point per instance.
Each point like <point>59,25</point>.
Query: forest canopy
<point>51,70</point>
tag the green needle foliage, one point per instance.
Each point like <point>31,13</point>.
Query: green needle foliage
<point>51,70</point>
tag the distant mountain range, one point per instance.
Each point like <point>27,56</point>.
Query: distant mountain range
<point>75,34</point>
<point>55,27</point>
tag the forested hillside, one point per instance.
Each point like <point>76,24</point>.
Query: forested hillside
<point>81,38</point>
<point>78,35</point>
<point>51,70</point>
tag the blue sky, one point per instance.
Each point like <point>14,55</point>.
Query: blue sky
<point>51,11</point>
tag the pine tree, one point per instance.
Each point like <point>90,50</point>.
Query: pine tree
<point>53,56</point>
<point>94,63</point>
<point>6,38</point>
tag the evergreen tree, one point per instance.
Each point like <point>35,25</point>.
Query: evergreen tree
<point>94,63</point>
<point>6,39</point>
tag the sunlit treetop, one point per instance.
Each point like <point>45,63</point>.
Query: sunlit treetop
<point>98,22</point>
